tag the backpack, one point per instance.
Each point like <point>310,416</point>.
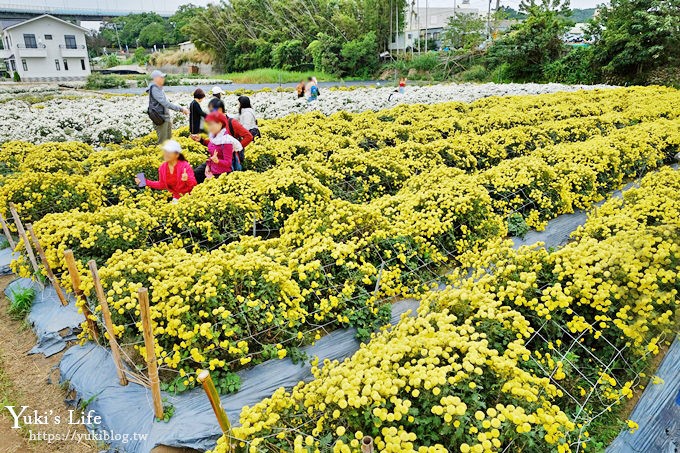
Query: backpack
<point>154,115</point>
<point>239,157</point>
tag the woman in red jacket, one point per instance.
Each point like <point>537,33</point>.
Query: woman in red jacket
<point>175,174</point>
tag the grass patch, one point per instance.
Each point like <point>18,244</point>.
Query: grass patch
<point>268,75</point>
<point>22,302</point>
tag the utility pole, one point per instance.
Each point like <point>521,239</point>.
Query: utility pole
<point>488,21</point>
<point>396,24</point>
<point>418,22</point>
<point>427,5</point>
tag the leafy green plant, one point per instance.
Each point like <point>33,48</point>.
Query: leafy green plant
<point>168,411</point>
<point>517,226</point>
<point>3,243</point>
<point>22,301</point>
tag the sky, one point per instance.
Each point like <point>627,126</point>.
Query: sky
<point>165,5</point>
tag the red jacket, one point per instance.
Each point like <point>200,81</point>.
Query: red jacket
<point>237,131</point>
<point>173,181</point>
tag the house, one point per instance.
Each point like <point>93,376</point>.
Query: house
<point>426,23</point>
<point>187,46</point>
<point>45,48</point>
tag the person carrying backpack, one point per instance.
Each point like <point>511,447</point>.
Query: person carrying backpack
<point>159,107</point>
<point>236,135</point>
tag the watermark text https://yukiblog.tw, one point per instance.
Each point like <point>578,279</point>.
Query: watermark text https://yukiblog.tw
<point>46,426</point>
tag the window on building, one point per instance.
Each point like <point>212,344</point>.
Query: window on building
<point>410,36</point>
<point>24,64</point>
<point>48,37</point>
<point>57,65</point>
<point>7,41</point>
<point>82,64</point>
<point>14,66</point>
<point>65,64</point>
<point>70,42</point>
<point>30,42</point>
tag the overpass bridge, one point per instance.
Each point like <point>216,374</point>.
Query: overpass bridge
<point>84,10</point>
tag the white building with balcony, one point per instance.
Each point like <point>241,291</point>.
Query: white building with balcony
<point>45,48</point>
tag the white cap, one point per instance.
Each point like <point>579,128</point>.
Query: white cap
<point>157,73</point>
<point>172,146</point>
<point>217,90</point>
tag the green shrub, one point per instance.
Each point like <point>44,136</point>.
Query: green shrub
<point>425,62</point>
<point>98,81</point>
<point>574,68</point>
<point>17,77</point>
<point>501,74</point>
<point>476,73</point>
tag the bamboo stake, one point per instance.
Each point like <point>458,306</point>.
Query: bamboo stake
<point>367,445</point>
<point>214,397</point>
<point>108,323</point>
<point>8,235</point>
<point>22,235</point>
<point>150,353</point>
<point>75,282</point>
<point>48,270</point>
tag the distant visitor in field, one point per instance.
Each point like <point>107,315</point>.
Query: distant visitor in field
<point>196,113</point>
<point>246,115</point>
<point>300,89</point>
<point>217,93</point>
<point>174,175</point>
<point>312,89</point>
<point>402,85</point>
<point>223,149</point>
<point>159,107</point>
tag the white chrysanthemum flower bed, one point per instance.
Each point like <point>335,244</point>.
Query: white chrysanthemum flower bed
<point>94,118</point>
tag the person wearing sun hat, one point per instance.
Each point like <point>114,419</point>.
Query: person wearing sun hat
<point>217,93</point>
<point>175,173</point>
<point>159,107</point>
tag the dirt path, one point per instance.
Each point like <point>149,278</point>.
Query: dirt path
<point>24,382</point>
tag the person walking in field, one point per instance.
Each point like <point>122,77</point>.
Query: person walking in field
<point>196,113</point>
<point>174,175</point>
<point>223,149</point>
<point>159,107</point>
<point>246,116</point>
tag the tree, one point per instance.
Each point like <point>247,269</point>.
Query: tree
<point>218,27</point>
<point>534,43</point>
<point>154,33</point>
<point>464,31</point>
<point>633,37</point>
<point>360,56</point>
<point>289,54</point>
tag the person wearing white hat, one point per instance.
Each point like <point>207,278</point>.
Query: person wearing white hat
<point>159,107</point>
<point>175,173</point>
<point>217,93</point>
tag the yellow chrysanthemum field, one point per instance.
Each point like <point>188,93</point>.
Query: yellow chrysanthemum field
<point>339,216</point>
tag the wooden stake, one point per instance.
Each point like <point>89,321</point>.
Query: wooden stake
<point>108,323</point>
<point>75,282</point>
<point>214,397</point>
<point>48,270</point>
<point>147,330</point>
<point>22,235</point>
<point>367,444</point>
<point>8,235</point>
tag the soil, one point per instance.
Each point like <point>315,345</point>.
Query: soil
<point>24,382</point>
